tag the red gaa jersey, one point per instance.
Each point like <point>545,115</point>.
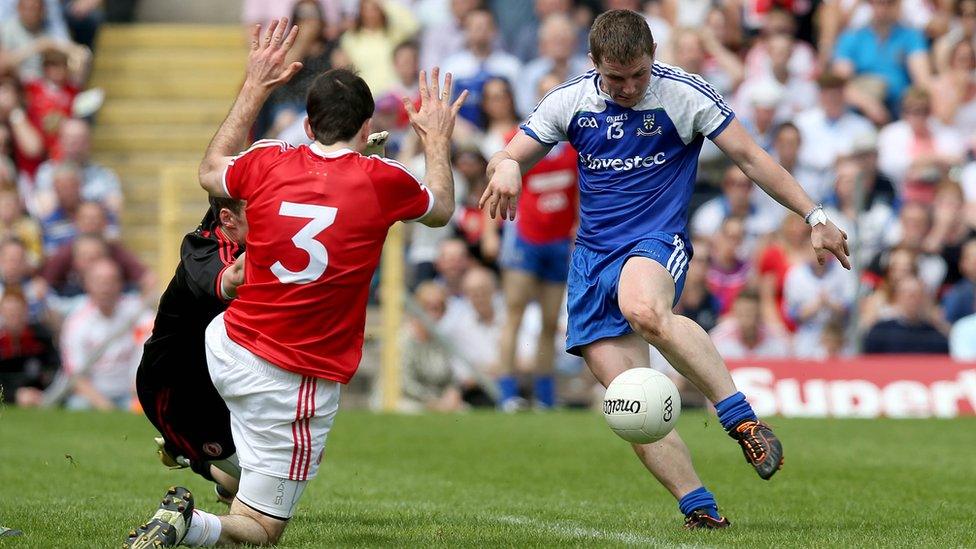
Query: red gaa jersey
<point>317,226</point>
<point>547,209</point>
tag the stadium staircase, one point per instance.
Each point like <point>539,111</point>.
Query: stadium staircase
<point>168,86</point>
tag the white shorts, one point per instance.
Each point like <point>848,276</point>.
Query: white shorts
<point>279,421</point>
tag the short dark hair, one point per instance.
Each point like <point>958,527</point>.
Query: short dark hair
<point>831,81</point>
<point>620,36</point>
<point>218,203</point>
<point>339,102</point>
<point>406,44</point>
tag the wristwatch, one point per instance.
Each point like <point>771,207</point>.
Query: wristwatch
<point>817,216</point>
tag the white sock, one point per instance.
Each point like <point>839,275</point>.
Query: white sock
<point>204,530</point>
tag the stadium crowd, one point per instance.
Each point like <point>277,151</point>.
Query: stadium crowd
<point>870,105</point>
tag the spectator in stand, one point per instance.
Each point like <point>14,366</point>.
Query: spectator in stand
<point>955,89</point>
<point>379,26</point>
<point>737,200</point>
<point>498,115</point>
<point>698,51</point>
<point>864,149</point>
<point>962,339</point>
<point>960,299</point>
<point>479,62</point>
<point>788,247</point>
<point>814,295</point>
<point>898,264</point>
<point>406,63</point>
<point>949,229</point>
<point>531,43</point>
<point>64,270</point>
<point>786,150</point>
<point>868,224</point>
<point>99,348</point>
<point>84,17</point>
<point>427,374</point>
<point>17,275</point>
<point>775,41</point>
<point>696,302</point>
<point>26,140</point>
<point>917,144</point>
<point>60,225</point>
<point>14,223</point>
<point>744,335</point>
<point>28,358</point>
<point>760,118</point>
<point>963,29</point>
<point>559,55</point>
<point>54,20</point>
<point>98,183</point>
<point>49,99</point>
<point>469,221</point>
<point>453,262</point>
<point>910,330</point>
<point>886,53</point>
<point>256,12</point>
<point>799,93</point>
<point>475,323</point>
<point>827,131</point>
<point>24,37</point>
<point>727,274</point>
<point>914,225</point>
<point>286,104</point>
<point>443,40</point>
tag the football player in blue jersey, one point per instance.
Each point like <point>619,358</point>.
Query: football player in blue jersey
<point>639,126</point>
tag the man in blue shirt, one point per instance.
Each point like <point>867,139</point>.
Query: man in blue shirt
<point>887,49</point>
<point>638,126</point>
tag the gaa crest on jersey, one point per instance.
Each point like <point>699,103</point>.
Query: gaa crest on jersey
<point>212,449</point>
<point>649,129</point>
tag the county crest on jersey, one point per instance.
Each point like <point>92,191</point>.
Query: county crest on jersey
<point>637,166</point>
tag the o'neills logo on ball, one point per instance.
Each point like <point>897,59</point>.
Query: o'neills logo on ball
<point>668,409</point>
<point>620,405</point>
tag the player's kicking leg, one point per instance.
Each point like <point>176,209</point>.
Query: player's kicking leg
<point>667,459</point>
<point>645,294</point>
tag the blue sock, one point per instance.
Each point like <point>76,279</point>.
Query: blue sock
<point>545,391</point>
<point>733,410</point>
<point>508,387</point>
<point>699,499</point>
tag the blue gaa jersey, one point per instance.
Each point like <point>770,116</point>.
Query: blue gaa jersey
<point>637,166</point>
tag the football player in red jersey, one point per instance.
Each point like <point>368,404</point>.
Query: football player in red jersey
<point>318,217</point>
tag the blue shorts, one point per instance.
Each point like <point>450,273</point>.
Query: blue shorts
<point>548,262</point>
<point>594,312</point>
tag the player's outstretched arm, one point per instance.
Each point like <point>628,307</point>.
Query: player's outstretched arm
<point>266,70</point>
<point>779,184</point>
<point>434,124</point>
<point>505,171</point>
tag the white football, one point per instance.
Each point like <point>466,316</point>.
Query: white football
<point>642,405</point>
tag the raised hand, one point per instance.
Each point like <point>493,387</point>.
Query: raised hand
<point>829,238</point>
<point>266,67</point>
<point>435,119</point>
<point>500,198</point>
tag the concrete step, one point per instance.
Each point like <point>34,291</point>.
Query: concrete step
<point>162,87</point>
<point>158,111</point>
<point>169,61</point>
<point>184,139</point>
<point>149,157</point>
<point>172,36</point>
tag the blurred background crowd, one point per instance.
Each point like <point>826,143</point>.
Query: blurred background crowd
<point>870,105</point>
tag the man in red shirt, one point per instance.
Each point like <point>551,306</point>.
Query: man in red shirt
<point>318,218</point>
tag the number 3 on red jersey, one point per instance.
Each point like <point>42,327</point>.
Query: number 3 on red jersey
<point>318,257</point>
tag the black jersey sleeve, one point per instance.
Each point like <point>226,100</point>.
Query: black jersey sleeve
<point>204,259</point>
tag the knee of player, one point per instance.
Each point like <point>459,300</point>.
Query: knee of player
<point>648,318</point>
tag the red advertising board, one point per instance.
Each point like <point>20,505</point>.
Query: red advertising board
<point>873,386</point>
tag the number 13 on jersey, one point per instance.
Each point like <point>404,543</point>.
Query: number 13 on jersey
<point>318,257</point>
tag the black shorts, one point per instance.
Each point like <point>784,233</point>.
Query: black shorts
<point>177,396</point>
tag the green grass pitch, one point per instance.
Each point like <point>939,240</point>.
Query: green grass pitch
<point>529,480</point>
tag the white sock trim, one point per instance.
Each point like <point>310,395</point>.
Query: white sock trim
<point>204,530</point>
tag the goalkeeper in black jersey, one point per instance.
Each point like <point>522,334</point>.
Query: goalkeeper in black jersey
<point>173,382</point>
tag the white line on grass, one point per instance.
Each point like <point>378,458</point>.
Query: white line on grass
<point>570,530</point>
